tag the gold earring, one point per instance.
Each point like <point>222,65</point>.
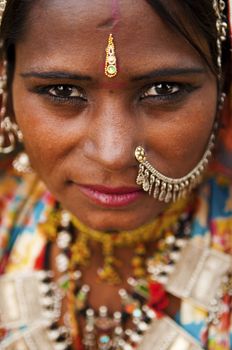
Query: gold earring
<point>21,163</point>
<point>10,133</point>
<point>166,189</point>
<point>111,60</point>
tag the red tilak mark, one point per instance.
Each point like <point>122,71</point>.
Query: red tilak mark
<point>115,12</point>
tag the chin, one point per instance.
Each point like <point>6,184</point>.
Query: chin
<point>116,220</point>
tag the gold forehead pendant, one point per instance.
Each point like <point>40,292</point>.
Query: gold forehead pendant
<point>111,60</point>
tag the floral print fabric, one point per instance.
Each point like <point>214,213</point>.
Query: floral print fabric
<point>25,202</point>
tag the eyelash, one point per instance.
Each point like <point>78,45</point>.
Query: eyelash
<point>182,90</point>
<point>46,90</point>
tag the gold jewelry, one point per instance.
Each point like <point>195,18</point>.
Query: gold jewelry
<point>10,132</point>
<point>111,60</point>
<point>137,238</point>
<point>167,189</point>
<point>221,27</point>
<point>2,9</point>
<point>21,163</point>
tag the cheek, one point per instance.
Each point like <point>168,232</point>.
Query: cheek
<point>177,141</point>
<point>46,137</point>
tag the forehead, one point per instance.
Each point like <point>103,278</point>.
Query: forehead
<point>74,30</point>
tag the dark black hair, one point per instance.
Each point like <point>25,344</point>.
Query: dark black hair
<point>200,24</point>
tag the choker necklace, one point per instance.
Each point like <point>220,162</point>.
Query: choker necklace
<point>79,243</point>
<point>141,304</point>
<point>178,265</point>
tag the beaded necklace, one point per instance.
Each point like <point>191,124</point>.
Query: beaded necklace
<point>141,322</point>
<point>79,243</point>
<point>145,299</point>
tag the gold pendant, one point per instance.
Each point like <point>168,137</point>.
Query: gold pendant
<point>111,60</point>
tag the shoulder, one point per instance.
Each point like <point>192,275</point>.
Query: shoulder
<point>24,200</point>
<point>14,188</point>
<point>214,212</point>
<point>220,197</point>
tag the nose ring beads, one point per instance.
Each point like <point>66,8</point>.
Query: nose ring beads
<point>167,189</point>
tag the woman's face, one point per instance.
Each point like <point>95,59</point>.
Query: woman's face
<point>81,128</point>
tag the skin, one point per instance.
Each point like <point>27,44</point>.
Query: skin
<point>92,140</point>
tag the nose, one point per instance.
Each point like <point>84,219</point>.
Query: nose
<point>112,136</point>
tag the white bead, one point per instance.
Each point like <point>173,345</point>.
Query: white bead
<point>174,256</point>
<point>143,326</point>
<point>170,240</point>
<point>41,275</point>
<point>50,315</point>
<point>180,243</point>
<point>47,301</point>
<point>90,313</point>
<point>62,262</point>
<point>117,316</point>
<point>54,334</point>
<point>45,288</point>
<point>162,279</point>
<point>65,218</point>
<point>103,311</point>
<point>60,346</point>
<point>85,288</point>
<point>63,240</point>
<point>135,337</point>
<point>169,268</point>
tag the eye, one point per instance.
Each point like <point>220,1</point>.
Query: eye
<point>65,91</point>
<point>162,90</point>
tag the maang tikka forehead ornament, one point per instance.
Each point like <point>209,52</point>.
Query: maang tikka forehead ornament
<point>111,59</point>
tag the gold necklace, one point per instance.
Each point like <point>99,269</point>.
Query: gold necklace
<point>79,243</point>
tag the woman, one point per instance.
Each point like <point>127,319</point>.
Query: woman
<point>114,237</point>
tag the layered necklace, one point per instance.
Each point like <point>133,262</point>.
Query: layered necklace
<point>145,298</point>
<point>176,266</point>
<point>144,301</point>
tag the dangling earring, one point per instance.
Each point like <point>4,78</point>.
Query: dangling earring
<point>219,7</point>
<point>21,163</point>
<point>10,134</point>
<point>166,189</point>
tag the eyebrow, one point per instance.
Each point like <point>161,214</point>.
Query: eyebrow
<point>155,74</point>
<point>165,72</point>
<point>55,75</point>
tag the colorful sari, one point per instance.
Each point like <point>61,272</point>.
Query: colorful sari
<point>26,203</point>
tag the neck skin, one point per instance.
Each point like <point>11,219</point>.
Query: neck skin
<point>102,293</point>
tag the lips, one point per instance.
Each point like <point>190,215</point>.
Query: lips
<point>111,197</point>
